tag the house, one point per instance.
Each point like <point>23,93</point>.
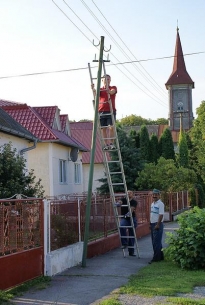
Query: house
<point>12,132</point>
<point>57,158</point>
<point>82,131</point>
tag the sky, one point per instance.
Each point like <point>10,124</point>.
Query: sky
<point>61,37</point>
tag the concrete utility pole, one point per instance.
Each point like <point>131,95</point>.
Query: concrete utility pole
<point>93,146</point>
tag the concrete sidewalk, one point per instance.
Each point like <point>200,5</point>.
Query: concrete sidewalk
<point>102,275</point>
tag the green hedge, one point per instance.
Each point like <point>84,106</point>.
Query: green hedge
<point>186,246</point>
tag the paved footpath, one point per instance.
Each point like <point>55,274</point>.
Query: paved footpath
<point>102,275</point>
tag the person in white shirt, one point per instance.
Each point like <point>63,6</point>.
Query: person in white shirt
<point>157,226</point>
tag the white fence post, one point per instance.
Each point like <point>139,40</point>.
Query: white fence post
<point>79,228</point>
<point>47,239</point>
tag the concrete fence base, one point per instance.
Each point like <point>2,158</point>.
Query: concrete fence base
<point>63,258</point>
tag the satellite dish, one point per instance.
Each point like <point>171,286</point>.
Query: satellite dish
<point>74,154</point>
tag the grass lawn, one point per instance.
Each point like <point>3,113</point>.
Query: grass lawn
<point>37,284</point>
<point>163,279</point>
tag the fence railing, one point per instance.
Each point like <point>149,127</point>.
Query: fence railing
<point>21,225</point>
<point>67,215</point>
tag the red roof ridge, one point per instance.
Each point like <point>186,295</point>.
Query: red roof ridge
<point>9,103</point>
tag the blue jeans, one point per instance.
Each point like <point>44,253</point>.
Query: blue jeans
<point>156,236</point>
<point>123,232</point>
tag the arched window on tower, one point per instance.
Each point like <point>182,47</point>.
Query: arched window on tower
<point>180,106</point>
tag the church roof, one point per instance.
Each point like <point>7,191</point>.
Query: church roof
<point>179,74</point>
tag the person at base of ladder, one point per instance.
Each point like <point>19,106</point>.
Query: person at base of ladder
<point>126,222</point>
<point>104,110</point>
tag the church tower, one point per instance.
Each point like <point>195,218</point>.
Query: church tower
<point>179,86</point>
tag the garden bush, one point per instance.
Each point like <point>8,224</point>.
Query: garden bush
<point>186,246</point>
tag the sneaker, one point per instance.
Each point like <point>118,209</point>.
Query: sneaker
<point>112,146</point>
<point>106,147</point>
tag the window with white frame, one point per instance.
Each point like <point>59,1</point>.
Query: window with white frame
<point>62,171</point>
<point>77,173</point>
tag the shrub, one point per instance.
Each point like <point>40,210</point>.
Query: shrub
<point>187,244</point>
<point>63,232</point>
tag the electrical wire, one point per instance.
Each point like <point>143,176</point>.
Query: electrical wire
<point>90,11</point>
<point>151,82</point>
<point>84,68</point>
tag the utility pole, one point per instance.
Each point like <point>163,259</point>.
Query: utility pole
<point>92,157</point>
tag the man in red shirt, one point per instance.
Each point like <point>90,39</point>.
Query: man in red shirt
<point>104,110</point>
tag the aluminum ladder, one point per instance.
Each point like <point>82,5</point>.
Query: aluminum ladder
<point>113,175</point>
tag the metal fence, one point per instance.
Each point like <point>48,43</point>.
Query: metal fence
<point>21,225</point>
<point>21,220</point>
<point>67,216</point>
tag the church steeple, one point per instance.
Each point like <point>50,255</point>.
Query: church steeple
<point>179,74</point>
<point>180,87</point>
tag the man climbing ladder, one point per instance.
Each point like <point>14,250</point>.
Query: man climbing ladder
<point>115,178</point>
<point>104,111</point>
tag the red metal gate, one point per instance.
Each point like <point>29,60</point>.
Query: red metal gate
<point>21,241</point>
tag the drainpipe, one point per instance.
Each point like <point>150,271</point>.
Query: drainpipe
<point>22,151</point>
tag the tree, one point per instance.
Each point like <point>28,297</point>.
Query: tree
<point>133,120</point>
<point>154,154</point>
<point>161,121</point>
<point>166,176</point>
<point>14,178</point>
<point>131,164</point>
<point>197,135</point>
<point>183,159</point>
<point>136,137</point>
<point>144,144</point>
<point>166,145</point>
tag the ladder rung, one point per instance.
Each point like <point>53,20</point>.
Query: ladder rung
<point>120,183</point>
<point>114,161</point>
<point>128,238</point>
<point>114,173</point>
<point>113,138</point>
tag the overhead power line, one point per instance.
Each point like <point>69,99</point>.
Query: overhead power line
<point>84,68</point>
<point>152,81</point>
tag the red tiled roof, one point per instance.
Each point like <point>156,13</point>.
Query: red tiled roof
<point>9,103</point>
<point>47,113</point>
<point>63,120</point>
<point>179,74</point>
<point>30,119</point>
<point>33,122</point>
<point>82,131</point>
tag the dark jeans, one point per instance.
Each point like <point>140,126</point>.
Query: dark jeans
<point>156,236</point>
<point>123,232</point>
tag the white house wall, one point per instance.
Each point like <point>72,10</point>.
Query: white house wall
<point>39,160</point>
<point>18,143</point>
<point>98,173</point>
<point>62,153</point>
